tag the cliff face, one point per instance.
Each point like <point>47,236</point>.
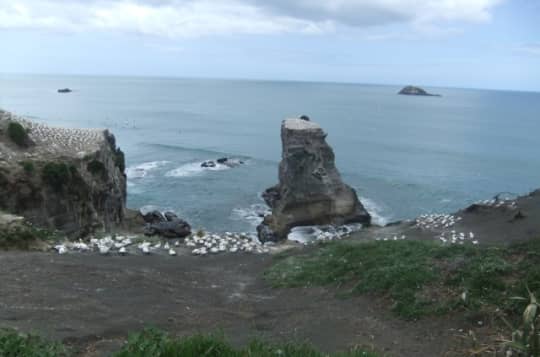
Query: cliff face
<point>310,189</point>
<point>71,180</point>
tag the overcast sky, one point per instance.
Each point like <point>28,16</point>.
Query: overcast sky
<point>459,43</point>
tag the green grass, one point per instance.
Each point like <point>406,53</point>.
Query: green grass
<point>22,236</point>
<point>419,278</point>
<point>14,344</point>
<point>154,343</point>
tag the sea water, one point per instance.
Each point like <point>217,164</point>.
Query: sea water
<point>404,155</point>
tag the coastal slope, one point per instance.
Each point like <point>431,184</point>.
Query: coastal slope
<point>71,180</point>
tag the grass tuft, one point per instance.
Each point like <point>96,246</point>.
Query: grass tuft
<point>14,344</point>
<point>420,278</point>
<point>155,343</point>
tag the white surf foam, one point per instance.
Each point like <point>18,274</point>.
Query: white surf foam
<point>253,214</point>
<point>194,169</point>
<point>375,211</point>
<point>141,170</point>
<point>310,234</point>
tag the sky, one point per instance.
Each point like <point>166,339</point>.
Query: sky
<point>492,44</point>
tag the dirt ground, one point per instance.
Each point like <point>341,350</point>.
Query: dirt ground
<point>92,302</point>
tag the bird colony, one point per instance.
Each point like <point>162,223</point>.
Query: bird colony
<point>200,244</point>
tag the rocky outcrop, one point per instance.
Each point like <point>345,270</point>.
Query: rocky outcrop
<point>167,225</point>
<point>71,180</point>
<point>412,90</point>
<point>310,189</point>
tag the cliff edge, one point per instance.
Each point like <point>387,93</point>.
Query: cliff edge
<point>71,180</point>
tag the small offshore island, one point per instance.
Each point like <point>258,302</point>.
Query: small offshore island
<point>412,90</point>
<point>72,242</point>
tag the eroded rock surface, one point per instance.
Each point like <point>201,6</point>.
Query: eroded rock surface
<point>310,189</point>
<point>70,180</point>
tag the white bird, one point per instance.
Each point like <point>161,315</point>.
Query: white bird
<point>61,249</point>
<point>158,245</point>
<point>177,243</point>
<point>172,252</point>
<point>122,251</point>
<point>145,249</point>
<point>214,250</point>
<point>104,249</point>
<point>166,246</point>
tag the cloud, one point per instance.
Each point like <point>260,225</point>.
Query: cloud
<point>530,48</point>
<point>188,18</point>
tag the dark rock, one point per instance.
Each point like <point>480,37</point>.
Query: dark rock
<point>222,160</point>
<point>271,195</point>
<point>412,90</point>
<point>177,228</point>
<point>208,164</point>
<point>171,216</point>
<point>310,190</point>
<point>153,217</point>
<point>64,90</point>
<point>304,117</point>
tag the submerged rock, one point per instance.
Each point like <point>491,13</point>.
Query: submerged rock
<point>310,189</point>
<point>65,90</point>
<point>412,90</point>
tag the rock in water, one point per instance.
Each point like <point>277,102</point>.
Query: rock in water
<point>310,190</point>
<point>412,90</point>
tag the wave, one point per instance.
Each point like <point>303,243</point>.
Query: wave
<point>197,168</point>
<point>310,234</point>
<point>141,170</point>
<point>375,211</point>
<point>254,214</point>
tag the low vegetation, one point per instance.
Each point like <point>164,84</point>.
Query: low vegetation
<point>58,174</point>
<point>28,167</point>
<point>421,278</point>
<point>155,343</point>
<point>23,236</point>
<point>18,134</point>
<point>96,168</point>
<point>14,344</point>
<point>158,344</point>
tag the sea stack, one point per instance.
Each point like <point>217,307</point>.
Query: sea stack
<point>310,189</point>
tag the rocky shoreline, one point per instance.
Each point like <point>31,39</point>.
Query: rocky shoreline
<point>310,203</point>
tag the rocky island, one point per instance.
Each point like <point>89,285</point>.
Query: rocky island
<point>310,190</point>
<point>70,180</point>
<point>412,90</point>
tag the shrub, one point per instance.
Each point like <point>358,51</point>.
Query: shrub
<point>57,175</point>
<point>14,344</point>
<point>28,166</point>
<point>18,134</point>
<point>96,168</point>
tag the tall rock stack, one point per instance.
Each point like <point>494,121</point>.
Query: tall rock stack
<point>310,189</point>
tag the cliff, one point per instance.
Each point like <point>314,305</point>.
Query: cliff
<point>310,189</point>
<point>71,180</point>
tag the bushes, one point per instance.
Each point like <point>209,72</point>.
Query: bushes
<point>18,134</point>
<point>14,344</point>
<point>96,168</point>
<point>28,166</point>
<point>56,175</point>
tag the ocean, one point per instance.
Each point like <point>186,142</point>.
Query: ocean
<point>404,155</point>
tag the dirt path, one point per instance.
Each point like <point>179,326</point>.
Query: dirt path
<point>93,302</point>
